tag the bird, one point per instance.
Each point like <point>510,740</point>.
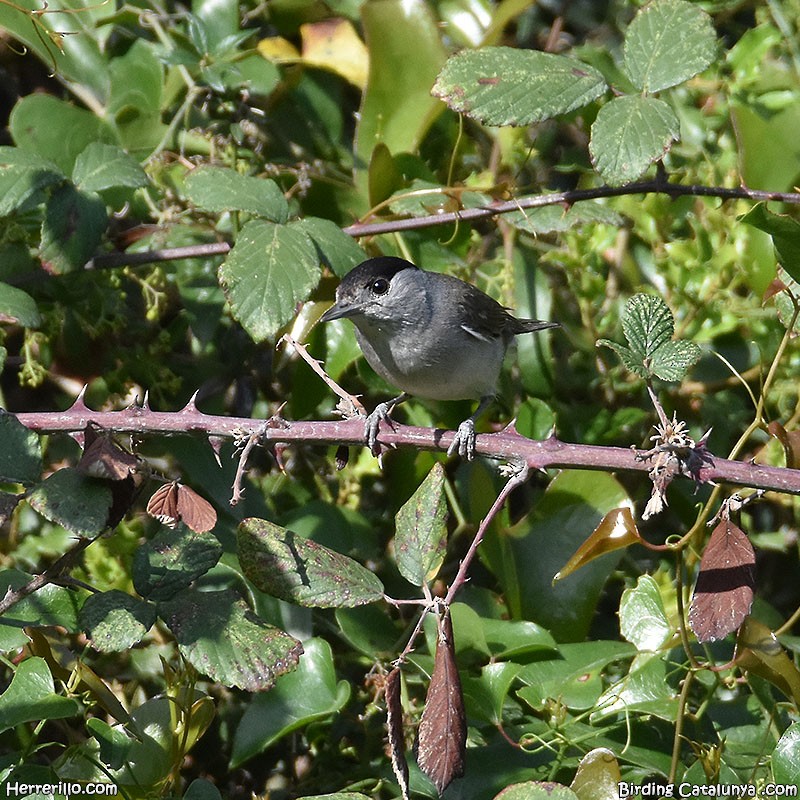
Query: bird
<point>430,335</point>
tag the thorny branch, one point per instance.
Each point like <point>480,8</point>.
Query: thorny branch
<point>505,445</point>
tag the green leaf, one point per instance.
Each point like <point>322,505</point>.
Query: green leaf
<point>556,219</point>
<point>644,689</point>
<point>219,190</point>
<point>671,361</point>
<point>31,696</point>
<point>55,129</point>
<point>629,134</point>
<point>201,789</point>
<point>421,538</point>
<point>49,606</point>
<point>786,757</point>
<point>106,166</point>
<point>668,42</point>
<point>785,233</point>
<point>309,693</point>
<point>574,675</point>
<point>20,451</point>
<point>24,175</point>
<point>73,226</point>
<point>299,570</point>
<point>270,269</point>
<point>573,504</point>
<point>505,86</point>
<point>222,638</point>
<point>18,307</point>
<point>115,743</point>
<point>115,621</point>
<point>72,500</point>
<point>397,108</point>
<point>642,619</point>
<point>484,697</point>
<point>336,249</point>
<point>648,326</point>
<point>598,776</point>
<point>536,790</point>
<point>172,560</point>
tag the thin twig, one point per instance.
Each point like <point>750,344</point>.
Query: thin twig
<point>656,186</point>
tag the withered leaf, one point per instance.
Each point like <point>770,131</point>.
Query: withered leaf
<point>394,726</point>
<point>173,503</point>
<point>105,458</point>
<point>724,591</point>
<point>442,737</point>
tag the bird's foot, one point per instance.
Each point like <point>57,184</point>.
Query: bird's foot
<point>464,441</point>
<point>372,425</point>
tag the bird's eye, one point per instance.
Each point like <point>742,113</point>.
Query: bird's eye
<point>379,286</point>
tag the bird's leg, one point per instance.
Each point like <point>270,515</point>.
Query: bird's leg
<point>464,440</point>
<point>373,421</point>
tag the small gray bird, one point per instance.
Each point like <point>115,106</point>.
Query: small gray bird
<point>428,334</point>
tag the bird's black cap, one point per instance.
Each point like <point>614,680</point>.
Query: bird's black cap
<point>380,267</point>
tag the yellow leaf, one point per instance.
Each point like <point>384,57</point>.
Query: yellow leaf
<point>333,44</point>
<point>276,48</point>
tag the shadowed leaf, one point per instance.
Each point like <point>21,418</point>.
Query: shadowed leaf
<point>759,651</point>
<point>394,729</point>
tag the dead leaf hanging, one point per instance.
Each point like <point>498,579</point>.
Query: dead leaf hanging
<point>442,737</point>
<point>394,726</point>
<point>724,591</point>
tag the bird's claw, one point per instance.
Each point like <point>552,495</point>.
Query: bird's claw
<point>372,425</point>
<point>464,440</point>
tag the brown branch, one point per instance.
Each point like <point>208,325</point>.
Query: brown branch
<point>506,445</point>
<point>656,186</point>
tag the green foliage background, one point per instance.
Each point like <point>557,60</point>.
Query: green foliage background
<point>146,126</point>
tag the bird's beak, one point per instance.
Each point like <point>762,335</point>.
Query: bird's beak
<point>338,311</point>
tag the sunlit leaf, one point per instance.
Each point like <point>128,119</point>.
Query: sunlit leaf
<point>617,529</point>
<point>642,619</point>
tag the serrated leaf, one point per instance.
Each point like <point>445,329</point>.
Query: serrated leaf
<point>222,638</point>
<point>105,166</point>
<point>219,189</point>
<point>421,538</point>
<point>72,228</point>
<point>671,361</point>
<point>630,360</point>
<point>629,134</point>
<point>75,502</point>
<point>506,86</point>
<point>115,621</point>
<point>336,249</point>
<point>270,269</point>
<point>20,451</point>
<point>23,178</point>
<point>642,619</point>
<point>299,570</point>
<point>647,324</point>
<point>172,560</point>
<point>668,42</point>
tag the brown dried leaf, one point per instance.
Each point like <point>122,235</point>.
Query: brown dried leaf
<point>394,726</point>
<point>724,590</point>
<point>195,511</point>
<point>163,505</point>
<point>442,737</point>
<point>105,458</point>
